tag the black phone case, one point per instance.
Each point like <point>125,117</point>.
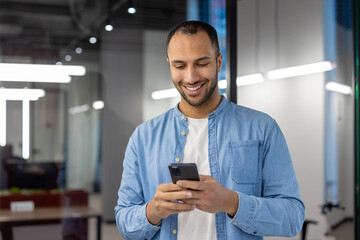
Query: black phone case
<point>187,171</point>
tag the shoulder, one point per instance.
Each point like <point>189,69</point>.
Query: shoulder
<point>249,114</point>
<point>156,123</point>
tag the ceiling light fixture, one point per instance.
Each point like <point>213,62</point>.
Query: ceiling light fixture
<point>92,39</point>
<point>41,77</point>
<point>222,84</point>
<point>249,79</point>
<point>109,27</point>
<point>132,8</point>
<point>98,105</point>
<point>167,93</point>
<point>337,87</point>
<point>301,70</point>
<point>68,57</point>
<point>26,129</point>
<point>79,109</point>
<point>74,70</point>
<point>78,50</point>
<point>2,122</point>
<point>20,94</point>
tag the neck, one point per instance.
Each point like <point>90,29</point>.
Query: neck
<point>200,111</point>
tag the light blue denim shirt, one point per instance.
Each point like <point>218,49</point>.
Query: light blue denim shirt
<point>247,154</point>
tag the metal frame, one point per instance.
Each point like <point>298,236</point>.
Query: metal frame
<point>356,40</point>
<point>231,49</point>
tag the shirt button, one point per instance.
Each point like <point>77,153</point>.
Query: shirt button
<point>174,231</point>
<point>235,223</point>
<point>182,117</point>
<point>255,232</point>
<point>177,159</point>
<point>183,133</point>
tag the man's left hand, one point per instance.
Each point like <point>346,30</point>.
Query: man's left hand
<point>210,196</point>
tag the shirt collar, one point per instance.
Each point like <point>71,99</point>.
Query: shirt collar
<point>223,104</point>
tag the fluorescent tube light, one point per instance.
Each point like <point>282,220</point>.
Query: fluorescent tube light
<point>222,84</point>
<point>98,105</point>
<point>167,93</point>
<point>2,122</point>
<point>18,94</point>
<point>337,87</point>
<point>42,69</point>
<point>29,77</point>
<point>26,129</point>
<point>79,109</point>
<point>300,70</point>
<point>249,79</point>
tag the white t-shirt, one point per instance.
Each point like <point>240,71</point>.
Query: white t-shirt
<point>197,224</point>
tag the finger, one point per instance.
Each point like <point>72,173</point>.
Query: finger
<point>193,201</point>
<point>169,187</point>
<point>176,207</point>
<point>205,177</point>
<point>196,185</point>
<point>170,196</point>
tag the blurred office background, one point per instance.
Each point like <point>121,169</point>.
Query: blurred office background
<point>72,132</point>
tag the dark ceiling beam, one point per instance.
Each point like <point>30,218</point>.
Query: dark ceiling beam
<point>35,8</point>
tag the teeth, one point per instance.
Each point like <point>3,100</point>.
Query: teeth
<point>194,88</point>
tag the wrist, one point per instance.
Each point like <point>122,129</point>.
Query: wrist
<point>150,214</point>
<point>232,203</point>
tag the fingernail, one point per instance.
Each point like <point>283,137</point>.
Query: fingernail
<point>179,183</point>
<point>188,194</point>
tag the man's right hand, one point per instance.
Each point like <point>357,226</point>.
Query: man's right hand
<point>163,205</point>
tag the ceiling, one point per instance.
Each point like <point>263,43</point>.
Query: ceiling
<point>40,28</point>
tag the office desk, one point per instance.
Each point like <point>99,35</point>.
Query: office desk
<point>45,215</point>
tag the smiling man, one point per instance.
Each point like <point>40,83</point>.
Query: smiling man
<point>247,188</point>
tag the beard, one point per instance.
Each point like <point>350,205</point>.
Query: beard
<point>205,98</point>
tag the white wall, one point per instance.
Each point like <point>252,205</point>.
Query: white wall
<point>297,104</point>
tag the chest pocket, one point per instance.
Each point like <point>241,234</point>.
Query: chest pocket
<point>245,162</point>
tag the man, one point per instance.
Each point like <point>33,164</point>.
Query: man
<point>247,188</point>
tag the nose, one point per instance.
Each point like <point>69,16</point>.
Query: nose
<point>191,75</point>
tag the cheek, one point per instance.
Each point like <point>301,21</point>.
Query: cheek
<point>176,76</point>
<point>209,74</point>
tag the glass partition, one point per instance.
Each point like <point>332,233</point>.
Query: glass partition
<point>76,78</point>
<point>312,101</point>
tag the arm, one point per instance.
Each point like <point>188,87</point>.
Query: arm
<point>130,211</point>
<point>135,218</point>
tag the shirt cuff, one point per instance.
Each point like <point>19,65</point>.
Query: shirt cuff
<point>149,229</point>
<point>245,212</point>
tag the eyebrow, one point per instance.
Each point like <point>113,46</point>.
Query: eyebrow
<point>197,60</point>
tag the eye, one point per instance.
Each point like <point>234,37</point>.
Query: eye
<point>179,67</point>
<point>203,64</point>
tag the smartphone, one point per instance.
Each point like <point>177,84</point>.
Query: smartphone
<point>183,171</point>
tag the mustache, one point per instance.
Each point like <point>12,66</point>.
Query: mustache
<point>195,83</point>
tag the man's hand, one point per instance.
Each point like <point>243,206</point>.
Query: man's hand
<point>210,196</point>
<point>163,205</point>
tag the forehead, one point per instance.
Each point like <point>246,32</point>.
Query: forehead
<point>190,45</point>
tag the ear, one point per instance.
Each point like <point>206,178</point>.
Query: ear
<point>167,59</point>
<point>219,61</point>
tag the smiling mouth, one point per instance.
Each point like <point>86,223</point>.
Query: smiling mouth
<point>194,89</point>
